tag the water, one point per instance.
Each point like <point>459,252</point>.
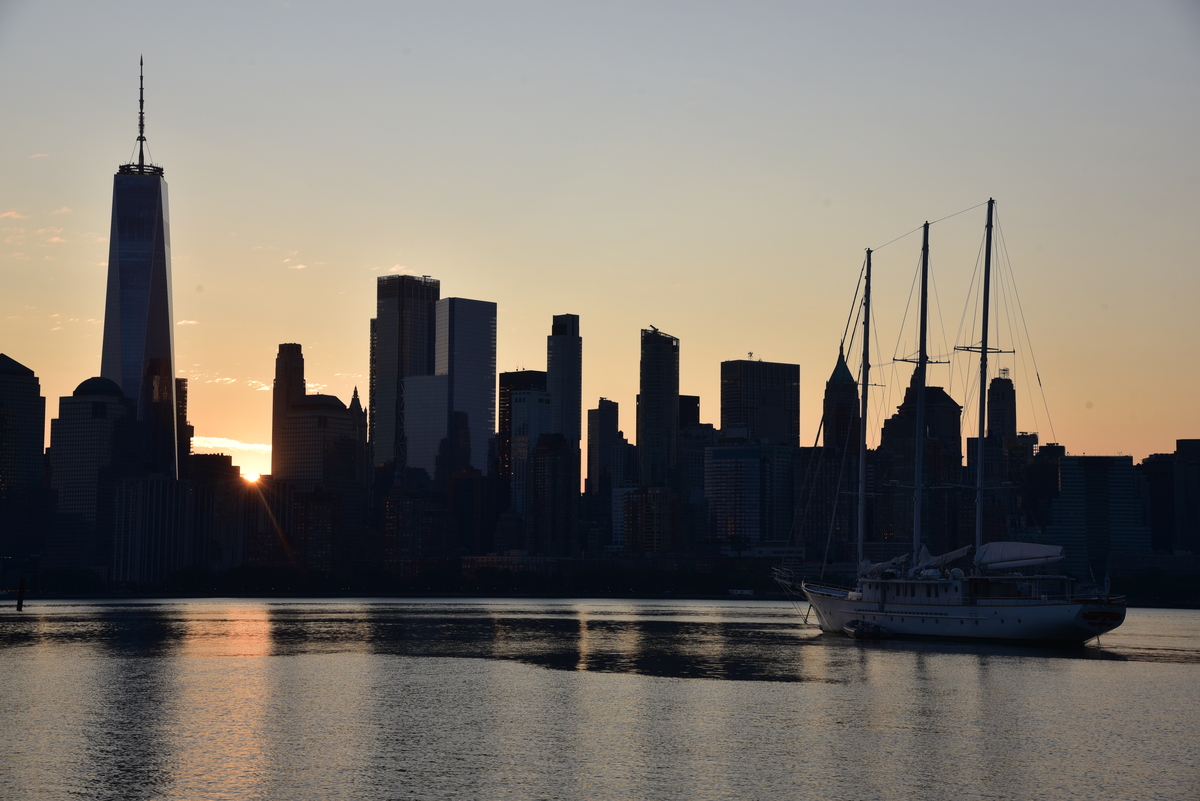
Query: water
<point>577,700</point>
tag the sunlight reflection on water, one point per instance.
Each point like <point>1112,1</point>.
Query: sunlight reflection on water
<point>577,699</point>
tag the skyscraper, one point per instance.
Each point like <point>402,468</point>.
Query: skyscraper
<point>288,390</point>
<point>841,413</point>
<point>138,351</point>
<point>22,434</point>
<point>1002,408</point>
<point>603,435</point>
<point>761,398</point>
<point>317,441</point>
<point>466,352</point>
<point>90,453</point>
<point>564,376</point>
<point>402,344</point>
<point>658,408</point>
<point>22,427</point>
<point>516,381</point>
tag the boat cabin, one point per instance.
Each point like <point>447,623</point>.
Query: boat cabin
<point>965,590</point>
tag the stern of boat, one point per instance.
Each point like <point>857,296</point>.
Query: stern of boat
<point>1098,616</point>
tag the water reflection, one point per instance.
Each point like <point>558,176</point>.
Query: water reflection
<point>362,699</point>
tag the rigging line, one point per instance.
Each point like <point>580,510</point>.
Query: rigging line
<point>942,325</point>
<point>935,222</point>
<point>955,214</point>
<point>904,320</point>
<point>972,298</point>
<point>808,470</point>
<point>854,303</point>
<point>974,302</point>
<point>875,395</point>
<point>1029,341</point>
<point>1022,356</point>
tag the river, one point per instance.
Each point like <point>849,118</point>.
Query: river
<point>577,699</point>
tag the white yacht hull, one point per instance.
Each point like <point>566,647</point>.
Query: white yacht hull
<point>1067,621</point>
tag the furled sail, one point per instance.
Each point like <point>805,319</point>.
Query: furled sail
<point>865,568</point>
<point>1002,555</point>
<point>937,562</point>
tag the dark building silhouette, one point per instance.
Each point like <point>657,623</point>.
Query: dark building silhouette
<point>1002,408</point>
<point>564,381</point>
<point>1187,496</point>
<point>528,380</point>
<point>1098,515</point>
<point>317,441</point>
<point>658,409</point>
<point>942,473</point>
<point>288,390</point>
<point>603,433</point>
<point>1157,474</point>
<point>138,351</point>
<point>465,352</point>
<point>1006,454</point>
<point>841,410</point>
<point>520,380</point>
<point>532,418</point>
<point>153,530</point>
<point>651,521</point>
<point>651,515</point>
<point>320,454</point>
<point>402,345</point>
<point>552,498</point>
<point>750,492</point>
<point>564,376</point>
<point>220,495</point>
<point>23,501</point>
<point>694,439</point>
<point>763,398</point>
<point>184,430</point>
<point>94,444</point>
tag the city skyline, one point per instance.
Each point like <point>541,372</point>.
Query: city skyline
<point>692,188</point>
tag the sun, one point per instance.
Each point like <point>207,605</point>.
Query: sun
<point>251,477</point>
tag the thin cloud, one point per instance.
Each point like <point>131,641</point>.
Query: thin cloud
<point>39,155</point>
<point>14,215</point>
<point>297,266</point>
<point>188,322</point>
<point>224,443</point>
<point>56,239</point>
<point>63,210</point>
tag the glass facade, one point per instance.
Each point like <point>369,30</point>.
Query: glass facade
<point>139,351</point>
<point>466,352</point>
<point>401,346</point>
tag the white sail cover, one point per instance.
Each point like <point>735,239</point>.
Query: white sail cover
<point>1001,555</point>
<point>865,568</point>
<point>937,562</point>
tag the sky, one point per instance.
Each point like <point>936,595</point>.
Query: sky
<point>715,170</point>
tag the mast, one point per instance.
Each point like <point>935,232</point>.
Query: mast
<point>983,362</point>
<point>141,114</point>
<point>862,418</point>
<point>919,381</point>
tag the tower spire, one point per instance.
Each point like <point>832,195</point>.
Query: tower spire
<point>141,113</point>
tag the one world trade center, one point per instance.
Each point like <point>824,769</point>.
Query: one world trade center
<point>139,351</point>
